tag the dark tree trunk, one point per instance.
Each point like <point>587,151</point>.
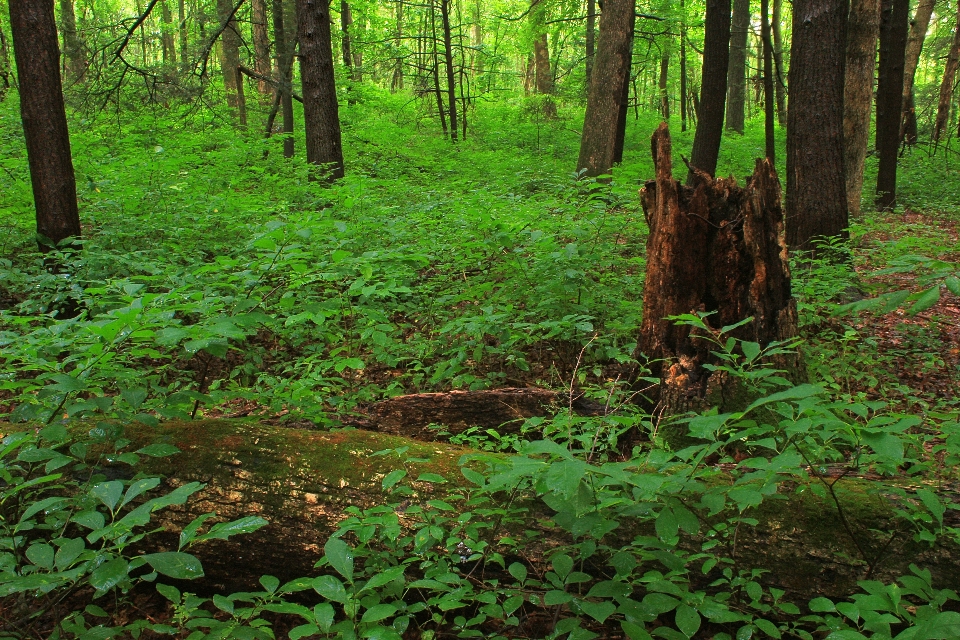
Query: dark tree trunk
<point>396,82</point>
<point>862,29</point>
<point>610,71</point>
<point>713,89</point>
<point>261,43</point>
<point>894,17</point>
<point>321,118</point>
<point>778,63</point>
<point>918,32</point>
<point>166,36</point>
<point>346,21</point>
<point>229,50</point>
<point>182,27</point>
<point>713,247</point>
<point>662,85</point>
<point>736,70</point>
<point>4,65</point>
<point>946,86</point>
<point>770,142</point>
<point>591,37</point>
<point>283,51</point>
<point>438,93</point>
<point>625,96</point>
<point>683,70</point>
<point>816,185</point>
<point>37,53</point>
<point>448,64</point>
<point>76,59</point>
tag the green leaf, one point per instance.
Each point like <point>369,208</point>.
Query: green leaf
<point>382,578</point>
<point>109,574</point>
<point>269,583</point>
<point>431,477</point>
<point>688,620</point>
<point>886,445</point>
<point>767,627</point>
<point>224,530</point>
<point>352,363</point>
<point>303,631</point>
<point>170,593</point>
<point>555,597</point>
<point>138,487</point>
<point>108,493</point>
<point>953,285</point>
<point>562,565</point>
<point>158,450</point>
<point>70,549</point>
<point>46,505</point>
<point>635,632</point>
<point>657,603</point>
<point>599,611</point>
<point>563,477</point>
<point>929,298</point>
<point>175,564</point>
<point>933,504</point>
<point>41,555</point>
<point>340,556</point>
<point>323,613</point>
<point>943,625</point>
<point>378,612</point>
<point>189,532</point>
<point>330,588</point>
<point>90,519</point>
<point>750,351</point>
<point>667,525</point>
<point>518,571</point>
<point>66,384</point>
<point>393,478</point>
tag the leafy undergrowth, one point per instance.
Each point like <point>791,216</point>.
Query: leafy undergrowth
<point>217,279</point>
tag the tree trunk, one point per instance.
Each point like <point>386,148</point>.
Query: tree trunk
<point>778,63</point>
<point>396,82</point>
<point>73,50</point>
<point>770,142</point>
<point>321,118</point>
<point>166,36</point>
<point>261,43</point>
<point>448,65</point>
<point>346,21</point>
<point>662,85</point>
<point>591,37</point>
<point>946,86</point>
<point>182,28</point>
<point>610,70</point>
<point>683,69</point>
<point>283,51</point>
<point>918,32</point>
<point>894,17</point>
<point>713,247</point>
<point>229,50</point>
<point>862,29</point>
<point>438,94</point>
<point>37,53</point>
<point>736,70</point>
<point>625,95</point>
<point>4,64</point>
<point>713,89</point>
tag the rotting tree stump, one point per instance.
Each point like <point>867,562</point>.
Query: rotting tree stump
<point>714,247</point>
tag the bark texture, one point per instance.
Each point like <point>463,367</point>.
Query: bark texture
<point>713,247</point>
<point>862,29</point>
<point>229,50</point>
<point>778,63</point>
<point>611,71</point>
<point>284,57</point>
<point>73,50</point>
<point>713,89</point>
<point>590,38</point>
<point>946,85</point>
<point>816,183</point>
<point>37,53</point>
<point>770,143</point>
<point>918,32</point>
<point>261,43</point>
<point>736,70</point>
<point>321,117</point>
<point>662,85</point>
<point>166,35</point>
<point>894,15</point>
<point>448,65</point>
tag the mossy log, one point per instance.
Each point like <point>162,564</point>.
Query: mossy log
<point>713,248</point>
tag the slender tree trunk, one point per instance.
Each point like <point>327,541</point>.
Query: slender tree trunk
<point>662,85</point>
<point>862,29</point>
<point>625,95</point>
<point>448,64</point>
<point>436,69</point>
<point>946,86</point>
<point>610,71</point>
<point>770,145</point>
<point>816,187</point>
<point>284,60</point>
<point>229,51</point>
<point>736,70</point>
<point>778,63</point>
<point>182,26</point>
<point>918,32</point>
<point>894,17</point>
<point>683,69</point>
<point>591,36</point>
<point>73,49</point>
<point>143,34</point>
<point>37,53</point>
<point>713,89</point>
<point>321,118</point>
<point>396,83</point>
<point>4,64</point>
<point>261,43</point>
<point>166,36</point>
<point>346,21</point>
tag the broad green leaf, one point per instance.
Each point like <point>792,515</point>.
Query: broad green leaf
<point>108,493</point>
<point>518,571</point>
<point>158,450</point>
<point>269,583</point>
<point>175,564</point>
<point>323,613</point>
<point>886,445</point>
<point>41,555</point>
<point>929,298</point>
<point>109,574</point>
<point>340,556</point>
<point>953,285</point>
<point>303,631</point>
<point>688,620</point>
<point>138,487</point>
<point>378,612</point>
<point>70,549</point>
<point>188,534</point>
<point>330,588</point>
<point>224,530</point>
<point>599,611</point>
<point>393,478</point>
<point>382,578</point>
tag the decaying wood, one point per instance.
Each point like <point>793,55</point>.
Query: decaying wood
<point>713,247</point>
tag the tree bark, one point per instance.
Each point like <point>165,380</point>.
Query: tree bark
<point>770,142</point>
<point>778,63</point>
<point>816,184</point>
<point>543,75</point>
<point>894,17</point>
<point>862,29</point>
<point>625,95</point>
<point>713,89</point>
<point>229,51</point>
<point>166,36</point>
<point>284,61</point>
<point>918,32</point>
<point>662,85</point>
<point>683,68</point>
<point>448,65</point>
<point>261,43</point>
<point>4,65</point>
<point>396,82</point>
<point>182,28</point>
<point>591,38</point>
<point>611,69</point>
<point>946,86</point>
<point>37,53</point>
<point>321,117</point>
<point>736,70</point>
<point>346,21</point>
<point>714,247</point>
<point>73,48</point>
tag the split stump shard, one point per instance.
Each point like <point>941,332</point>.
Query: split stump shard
<point>713,247</point>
